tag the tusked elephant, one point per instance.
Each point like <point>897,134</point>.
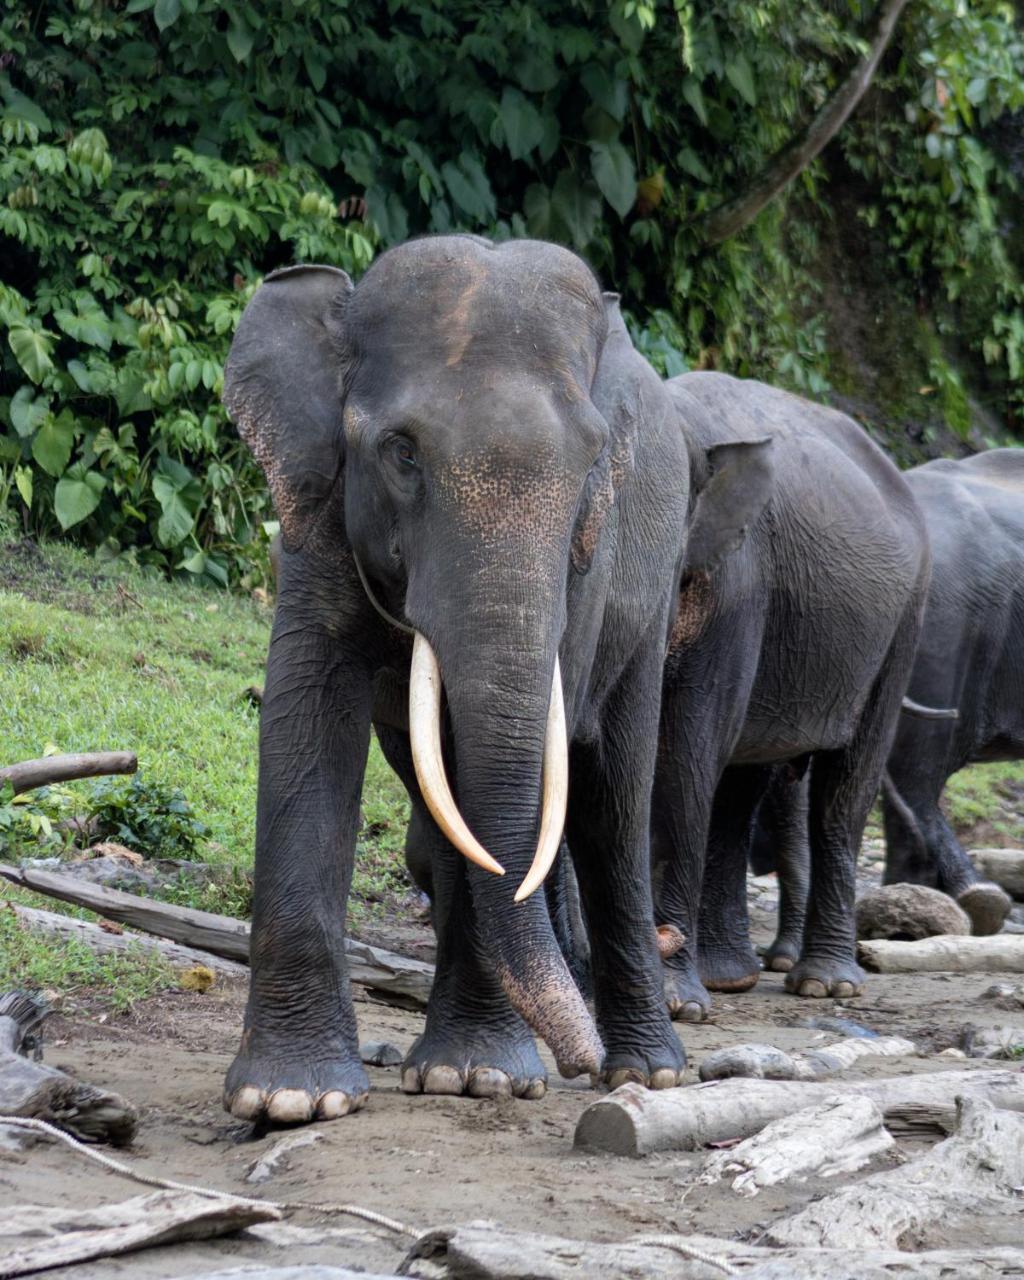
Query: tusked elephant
<point>463,446</point>
<point>792,650</point>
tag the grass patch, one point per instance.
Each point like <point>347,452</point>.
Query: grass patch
<point>71,970</point>
<point>103,657</point>
<point>986,803</point>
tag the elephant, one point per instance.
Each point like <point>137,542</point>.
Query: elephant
<point>965,702</point>
<point>483,495</point>
<point>789,654</point>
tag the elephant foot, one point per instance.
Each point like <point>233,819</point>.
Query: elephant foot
<point>728,968</point>
<point>986,905</point>
<point>781,955</point>
<point>822,976</point>
<point>686,996</point>
<point>645,1052</point>
<point>505,1067</point>
<point>284,1087</point>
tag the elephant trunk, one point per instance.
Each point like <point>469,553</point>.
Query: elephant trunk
<point>503,684</point>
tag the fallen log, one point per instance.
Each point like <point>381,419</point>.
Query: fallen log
<point>43,773</point>
<point>488,1251</point>
<point>839,1135</point>
<point>390,977</point>
<point>103,943</point>
<point>32,1091</point>
<point>634,1121</point>
<point>77,1235</point>
<point>995,953</point>
<point>766,1062</point>
<point>973,1172</point>
<point>1004,866</point>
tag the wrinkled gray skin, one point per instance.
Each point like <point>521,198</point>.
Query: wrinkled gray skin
<point>473,422</point>
<point>794,649</point>
<point>970,657</point>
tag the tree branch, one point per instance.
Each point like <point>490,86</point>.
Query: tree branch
<point>733,215</point>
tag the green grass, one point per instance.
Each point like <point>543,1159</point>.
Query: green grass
<point>95,658</point>
<point>986,801</point>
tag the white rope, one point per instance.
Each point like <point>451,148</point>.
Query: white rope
<point>678,1245</point>
<point>149,1180</point>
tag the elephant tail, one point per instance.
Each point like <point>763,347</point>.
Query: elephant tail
<point>920,712</point>
<point>904,813</point>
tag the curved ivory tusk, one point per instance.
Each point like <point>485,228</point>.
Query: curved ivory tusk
<point>556,791</point>
<point>425,739</point>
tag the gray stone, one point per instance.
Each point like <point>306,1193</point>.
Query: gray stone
<point>909,912</point>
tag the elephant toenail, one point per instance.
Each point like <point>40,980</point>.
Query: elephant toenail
<point>412,1081</point>
<point>334,1104</point>
<point>814,988</point>
<point>443,1080</point>
<point>843,989</point>
<point>534,1090</point>
<point>625,1075</point>
<point>290,1106</point>
<point>780,964</point>
<point>487,1082</point>
<point>248,1103</point>
<point>664,1078</point>
<point>691,1011</point>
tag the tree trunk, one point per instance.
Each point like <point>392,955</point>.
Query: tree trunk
<point>42,773</point>
<point>733,215</point>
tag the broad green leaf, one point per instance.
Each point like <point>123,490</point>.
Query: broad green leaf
<point>32,348</point>
<point>695,98</point>
<point>179,495</point>
<point>166,12</point>
<point>537,72</point>
<point>521,122</point>
<point>607,91</point>
<point>537,208</point>
<point>80,374</point>
<point>688,159</point>
<point>240,42</point>
<point>977,90</point>
<point>77,495</point>
<point>615,174</point>
<point>23,480</point>
<point>28,410</point>
<point>468,186</point>
<point>52,444</point>
<point>741,77</point>
<point>578,207</point>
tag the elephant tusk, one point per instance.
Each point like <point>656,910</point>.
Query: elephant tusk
<point>425,738</point>
<point>556,791</point>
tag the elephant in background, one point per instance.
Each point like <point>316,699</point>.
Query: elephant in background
<point>465,445</point>
<point>789,655</point>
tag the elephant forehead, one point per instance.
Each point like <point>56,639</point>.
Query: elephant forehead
<point>496,496</point>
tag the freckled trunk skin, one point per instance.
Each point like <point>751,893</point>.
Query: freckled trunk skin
<point>496,650</point>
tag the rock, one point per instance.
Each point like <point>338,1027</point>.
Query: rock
<point>267,1165</point>
<point>997,990</point>
<point>840,1026</point>
<point>115,872</point>
<point>1004,866</point>
<point>993,1042</point>
<point>909,912</point>
<point>379,1053</point>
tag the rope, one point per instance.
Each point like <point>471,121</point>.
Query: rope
<point>388,618</point>
<point>678,1245</point>
<point>149,1180</point>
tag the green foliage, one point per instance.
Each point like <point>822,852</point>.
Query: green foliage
<point>154,820</point>
<point>160,157</point>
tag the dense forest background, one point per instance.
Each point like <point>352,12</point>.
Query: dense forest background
<point>159,156</point>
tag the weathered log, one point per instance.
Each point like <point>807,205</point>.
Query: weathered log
<point>766,1062</point>
<point>32,1091</point>
<point>390,977</point>
<point>975,1171</point>
<point>76,1235</point>
<point>488,1251</point>
<point>304,1271</point>
<point>836,1136</point>
<point>996,953</point>
<point>103,943</point>
<point>43,773</point>
<point>634,1121</point>
<point>1004,866</point>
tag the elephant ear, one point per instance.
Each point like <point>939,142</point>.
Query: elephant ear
<point>738,485</point>
<point>282,389</point>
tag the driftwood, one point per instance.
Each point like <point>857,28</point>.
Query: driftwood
<point>43,773</point>
<point>634,1121</point>
<point>305,1271</point>
<point>995,953</point>
<point>838,1135</point>
<point>973,1172</point>
<point>488,1251</point>
<point>76,1235</point>
<point>1004,866</point>
<point>32,1091</point>
<point>765,1062</point>
<point>104,943</point>
<point>393,978</point>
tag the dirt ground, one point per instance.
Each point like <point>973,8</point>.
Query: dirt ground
<point>429,1161</point>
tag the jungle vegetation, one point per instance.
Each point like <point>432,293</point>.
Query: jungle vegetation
<point>160,156</point>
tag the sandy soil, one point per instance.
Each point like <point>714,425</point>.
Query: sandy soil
<point>432,1161</point>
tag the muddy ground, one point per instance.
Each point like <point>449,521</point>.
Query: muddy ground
<point>429,1161</point>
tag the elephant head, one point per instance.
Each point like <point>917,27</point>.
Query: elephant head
<point>447,401</point>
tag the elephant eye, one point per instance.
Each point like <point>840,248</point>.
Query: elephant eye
<point>404,452</point>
